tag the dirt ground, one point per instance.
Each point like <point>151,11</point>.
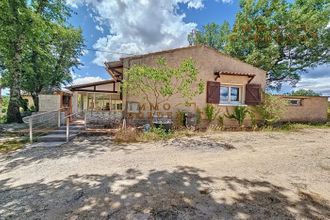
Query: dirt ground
<point>224,175</point>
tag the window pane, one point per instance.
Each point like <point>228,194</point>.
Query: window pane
<point>224,94</point>
<point>234,94</point>
<point>133,107</point>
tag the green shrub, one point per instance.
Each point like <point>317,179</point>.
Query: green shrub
<point>239,114</point>
<point>271,109</point>
<point>156,134</point>
<point>198,116</point>
<point>179,120</point>
<point>253,120</point>
<point>3,118</point>
<point>210,112</point>
<point>220,121</point>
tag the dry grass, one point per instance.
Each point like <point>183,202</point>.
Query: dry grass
<point>126,135</point>
<point>12,145</point>
<point>131,135</point>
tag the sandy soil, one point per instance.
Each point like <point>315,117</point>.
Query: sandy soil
<point>228,175</point>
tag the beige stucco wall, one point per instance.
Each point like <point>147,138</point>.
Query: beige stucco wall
<point>312,109</point>
<point>207,62</point>
<point>49,102</point>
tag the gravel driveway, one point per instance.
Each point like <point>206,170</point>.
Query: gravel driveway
<point>225,175</point>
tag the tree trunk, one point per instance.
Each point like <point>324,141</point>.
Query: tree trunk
<point>13,113</point>
<point>35,98</point>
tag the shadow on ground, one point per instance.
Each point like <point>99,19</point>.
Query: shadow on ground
<point>184,193</point>
<point>82,146</point>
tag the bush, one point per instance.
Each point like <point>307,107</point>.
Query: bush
<point>198,116</point>
<point>131,135</point>
<point>156,134</point>
<point>126,135</point>
<point>179,120</point>
<point>239,114</point>
<point>210,112</point>
<point>220,121</point>
<point>3,118</point>
<point>271,109</point>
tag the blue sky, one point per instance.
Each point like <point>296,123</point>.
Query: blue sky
<point>141,26</point>
<point>87,17</point>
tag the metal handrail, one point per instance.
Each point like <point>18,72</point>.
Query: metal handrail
<point>27,118</point>
<point>68,124</point>
<point>44,113</point>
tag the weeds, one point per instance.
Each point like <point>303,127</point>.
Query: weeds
<point>295,126</point>
<point>12,145</point>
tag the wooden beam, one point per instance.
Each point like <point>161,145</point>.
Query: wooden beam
<point>91,90</point>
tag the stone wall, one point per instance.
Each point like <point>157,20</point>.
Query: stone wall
<point>103,118</point>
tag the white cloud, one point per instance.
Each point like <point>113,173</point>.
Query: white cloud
<point>88,79</point>
<point>317,79</point>
<point>140,26</point>
<point>225,1</point>
<point>99,28</point>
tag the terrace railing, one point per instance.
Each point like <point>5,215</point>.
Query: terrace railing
<point>42,123</point>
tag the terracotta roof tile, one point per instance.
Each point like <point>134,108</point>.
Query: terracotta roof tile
<point>234,73</point>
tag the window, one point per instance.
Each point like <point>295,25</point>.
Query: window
<point>103,102</point>
<point>133,107</point>
<point>294,102</point>
<point>116,105</point>
<point>230,94</point>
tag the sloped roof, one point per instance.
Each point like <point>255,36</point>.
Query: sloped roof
<point>103,82</point>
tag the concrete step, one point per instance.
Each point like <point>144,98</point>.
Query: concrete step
<point>72,127</point>
<point>46,144</point>
<point>64,131</point>
<point>55,138</point>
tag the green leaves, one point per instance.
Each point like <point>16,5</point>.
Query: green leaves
<point>271,109</point>
<point>239,114</point>
<point>37,48</point>
<point>282,38</point>
<point>159,83</point>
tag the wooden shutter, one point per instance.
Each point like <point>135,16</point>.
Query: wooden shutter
<point>213,92</point>
<point>253,94</point>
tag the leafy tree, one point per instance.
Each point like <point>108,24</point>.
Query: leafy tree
<point>271,109</point>
<point>157,84</point>
<point>37,49</point>
<point>282,38</point>
<point>51,67</point>
<point>14,21</point>
<point>305,92</point>
<point>213,35</point>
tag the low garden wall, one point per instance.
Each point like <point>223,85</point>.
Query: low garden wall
<point>309,109</point>
<point>103,119</point>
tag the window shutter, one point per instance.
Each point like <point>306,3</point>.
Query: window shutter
<point>213,92</point>
<point>253,94</point>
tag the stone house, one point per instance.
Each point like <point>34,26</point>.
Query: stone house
<point>229,82</point>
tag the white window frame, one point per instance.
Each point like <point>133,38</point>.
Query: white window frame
<point>229,102</point>
<point>130,110</point>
